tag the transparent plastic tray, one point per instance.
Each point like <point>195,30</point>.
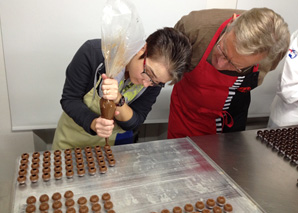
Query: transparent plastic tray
<point>147,177</point>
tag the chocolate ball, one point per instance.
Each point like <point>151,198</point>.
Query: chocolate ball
<point>31,200</point>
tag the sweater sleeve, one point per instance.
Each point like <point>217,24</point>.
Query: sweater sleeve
<point>79,80</point>
<point>141,107</point>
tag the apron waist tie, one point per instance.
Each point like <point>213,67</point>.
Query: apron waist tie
<point>225,119</point>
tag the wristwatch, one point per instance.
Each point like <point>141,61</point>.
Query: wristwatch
<point>121,101</point>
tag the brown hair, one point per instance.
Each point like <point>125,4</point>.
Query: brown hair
<point>171,47</point>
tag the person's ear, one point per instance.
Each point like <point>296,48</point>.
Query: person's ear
<point>143,50</point>
<point>234,16</point>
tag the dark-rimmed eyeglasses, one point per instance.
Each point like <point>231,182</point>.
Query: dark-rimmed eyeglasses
<point>147,75</point>
<point>229,60</point>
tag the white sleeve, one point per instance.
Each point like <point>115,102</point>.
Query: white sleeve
<point>288,88</point>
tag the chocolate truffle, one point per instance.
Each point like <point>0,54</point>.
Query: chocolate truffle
<point>56,196</point>
<point>110,156</point>
<point>44,198</point>
<point>92,170</point>
<point>79,155</point>
<point>25,155</point>
<point>46,159</point>
<point>57,204</point>
<point>67,156</point>
<point>57,168</point>
<point>165,211</point>
<point>177,209</point>
<point>71,210</point>
<point>81,172</point>
<point>91,164</point>
<point>200,205</point>
<point>35,155</point>
<point>58,175</point>
<point>188,208</point>
<point>83,209</point>
<point>206,211</point>
<point>46,176</point>
<point>88,154</point>
<point>101,163</point>
<point>96,207</point>
<point>21,179</point>
<point>46,170</point>
<point>90,159</point>
<point>23,166</point>
<point>78,150</point>
<point>228,207</point>
<point>35,160</point>
<point>80,165</point>
<point>57,163</point>
<point>68,194</point>
<point>34,178</point>
<point>108,205</point>
<point>88,149</point>
<point>97,148</point>
<point>217,209</point>
<point>44,207</point>
<point>47,154</point>
<point>57,157</point>
<point>108,151</point>
<point>105,197</point>
<point>100,157</point>
<point>210,203</point>
<point>34,171</point>
<point>30,208</point>
<point>82,201</point>
<point>98,152</point>
<point>111,211</point>
<point>220,200</point>
<point>69,167</point>
<point>46,164</point>
<point>22,172</point>
<point>112,162</point>
<point>67,151</point>
<point>79,160</point>
<point>94,199</point>
<point>69,173</point>
<point>107,147</point>
<point>68,162</point>
<point>24,161</point>
<point>58,211</point>
<point>69,203</point>
<point>31,200</point>
<point>57,152</point>
<point>103,169</point>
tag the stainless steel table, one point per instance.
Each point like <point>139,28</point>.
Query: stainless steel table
<point>266,176</point>
<point>148,177</point>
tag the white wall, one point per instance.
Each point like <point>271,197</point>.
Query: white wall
<point>12,144</point>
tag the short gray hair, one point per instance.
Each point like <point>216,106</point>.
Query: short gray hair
<point>261,30</point>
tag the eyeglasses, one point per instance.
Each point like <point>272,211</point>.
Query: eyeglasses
<point>229,60</point>
<point>147,75</point>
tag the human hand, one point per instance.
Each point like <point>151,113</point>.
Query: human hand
<point>109,88</point>
<point>103,127</point>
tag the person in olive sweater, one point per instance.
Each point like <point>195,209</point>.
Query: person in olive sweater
<point>164,57</point>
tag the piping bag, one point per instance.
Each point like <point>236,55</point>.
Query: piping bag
<point>122,36</point>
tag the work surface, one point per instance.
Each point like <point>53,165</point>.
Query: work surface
<point>264,174</point>
<point>148,177</point>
